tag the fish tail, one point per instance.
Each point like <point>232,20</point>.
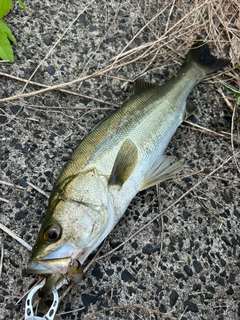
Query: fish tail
<point>200,54</point>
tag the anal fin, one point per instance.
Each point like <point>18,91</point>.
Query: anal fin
<point>190,109</point>
<point>163,168</point>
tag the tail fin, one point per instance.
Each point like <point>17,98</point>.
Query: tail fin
<point>200,53</point>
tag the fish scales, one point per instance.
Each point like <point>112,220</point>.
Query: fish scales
<point>132,120</point>
<point>122,155</point>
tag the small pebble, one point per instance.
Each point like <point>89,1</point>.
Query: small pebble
<point>197,266</point>
<point>190,306</point>
<point>50,70</point>
<point>21,215</point>
<point>126,276</point>
<point>188,270</point>
<point>173,297</point>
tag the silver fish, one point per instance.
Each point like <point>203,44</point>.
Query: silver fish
<point>121,156</point>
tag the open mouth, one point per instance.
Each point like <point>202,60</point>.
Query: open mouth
<point>38,268</point>
<point>56,266</point>
<point>62,263</point>
<point>56,270</point>
<point>47,267</point>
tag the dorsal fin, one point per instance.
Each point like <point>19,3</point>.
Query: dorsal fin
<point>125,163</point>
<point>140,86</point>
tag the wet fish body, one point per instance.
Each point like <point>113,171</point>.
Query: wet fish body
<point>121,156</point>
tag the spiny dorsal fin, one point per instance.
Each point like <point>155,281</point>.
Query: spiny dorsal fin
<point>125,163</point>
<point>140,86</point>
<point>163,168</point>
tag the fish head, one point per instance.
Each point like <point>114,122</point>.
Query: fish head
<point>77,221</point>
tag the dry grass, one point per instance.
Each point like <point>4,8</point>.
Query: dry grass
<point>215,21</point>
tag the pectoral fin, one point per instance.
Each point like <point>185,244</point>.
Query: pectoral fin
<point>125,163</point>
<point>162,169</point>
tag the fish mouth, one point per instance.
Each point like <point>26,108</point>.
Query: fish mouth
<point>56,269</point>
<point>38,268</point>
<point>70,267</point>
<point>57,261</point>
<point>48,266</point>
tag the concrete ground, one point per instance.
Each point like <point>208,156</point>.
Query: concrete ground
<point>186,262</point>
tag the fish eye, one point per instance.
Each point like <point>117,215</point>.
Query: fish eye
<point>52,233</point>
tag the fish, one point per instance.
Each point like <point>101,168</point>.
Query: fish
<point>121,156</point>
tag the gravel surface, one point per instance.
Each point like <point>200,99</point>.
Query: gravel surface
<point>185,263</point>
